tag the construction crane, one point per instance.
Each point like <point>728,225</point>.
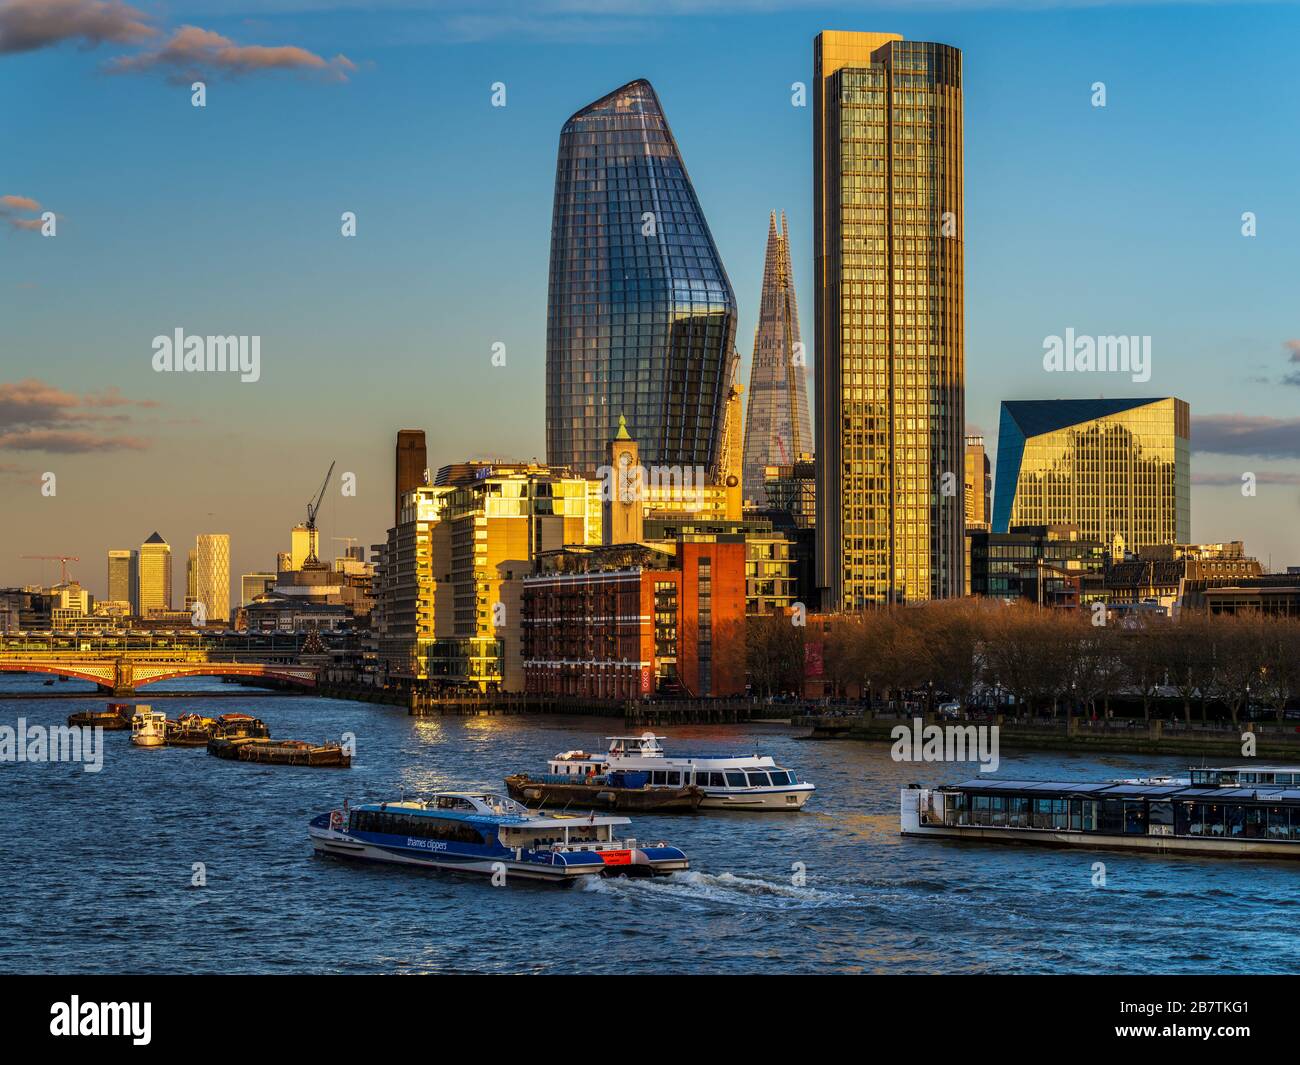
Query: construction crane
<point>62,560</point>
<point>312,509</point>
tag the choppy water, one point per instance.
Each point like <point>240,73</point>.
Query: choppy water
<point>96,875</point>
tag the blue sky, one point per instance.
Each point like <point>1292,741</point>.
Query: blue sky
<point>1115,220</point>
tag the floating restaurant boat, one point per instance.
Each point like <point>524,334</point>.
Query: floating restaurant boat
<point>148,727</point>
<point>116,718</point>
<point>190,730</point>
<point>1231,810</point>
<point>728,782</point>
<point>615,790</point>
<point>240,727</point>
<point>489,834</point>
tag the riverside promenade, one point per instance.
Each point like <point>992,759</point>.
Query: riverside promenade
<point>1129,735</point>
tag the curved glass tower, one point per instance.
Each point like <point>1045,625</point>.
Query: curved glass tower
<point>641,318</point>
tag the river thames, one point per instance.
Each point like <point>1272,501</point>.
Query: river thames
<point>98,872</point>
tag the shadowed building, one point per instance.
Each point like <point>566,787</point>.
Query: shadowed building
<point>1119,469</point>
<point>641,318</point>
<point>777,430</point>
<point>888,224</point>
<point>412,466</point>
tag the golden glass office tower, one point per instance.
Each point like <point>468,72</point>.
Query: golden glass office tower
<point>889,379</point>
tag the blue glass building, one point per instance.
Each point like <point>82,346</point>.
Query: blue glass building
<point>641,317</point>
<point>1119,469</point>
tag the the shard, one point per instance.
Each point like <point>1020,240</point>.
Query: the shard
<point>777,429</point>
<point>641,318</point>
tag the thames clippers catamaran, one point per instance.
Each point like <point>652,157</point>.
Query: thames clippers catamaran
<point>487,833</point>
<point>1231,810</point>
<point>728,781</point>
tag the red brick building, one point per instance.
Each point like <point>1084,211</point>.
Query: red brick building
<point>632,621</point>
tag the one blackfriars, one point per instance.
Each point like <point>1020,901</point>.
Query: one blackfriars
<point>641,318</point>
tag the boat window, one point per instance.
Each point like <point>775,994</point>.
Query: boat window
<point>1018,811</point>
<point>758,780</point>
<point>1112,817</point>
<point>1206,819</point>
<point>717,780</point>
<point>1234,819</point>
<point>657,776</point>
<point>735,780</point>
<point>979,810</point>
<point>1135,817</point>
<point>674,779</point>
<point>1256,822</point>
<point>781,776</point>
<point>1160,813</point>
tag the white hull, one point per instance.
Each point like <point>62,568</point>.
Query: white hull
<point>1096,841</point>
<point>757,799</point>
<point>141,739</point>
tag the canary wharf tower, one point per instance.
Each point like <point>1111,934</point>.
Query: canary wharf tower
<point>889,380</point>
<point>641,318</point>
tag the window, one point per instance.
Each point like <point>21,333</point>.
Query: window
<point>735,780</point>
<point>758,780</point>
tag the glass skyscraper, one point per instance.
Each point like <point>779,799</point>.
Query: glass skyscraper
<point>888,221</point>
<point>1116,468</point>
<point>777,431</point>
<point>641,318</point>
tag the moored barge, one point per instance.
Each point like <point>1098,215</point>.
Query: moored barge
<point>281,752</point>
<point>190,730</point>
<point>117,718</point>
<point>1227,811</point>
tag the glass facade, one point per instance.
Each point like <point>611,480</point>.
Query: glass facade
<point>1119,470</point>
<point>887,157</point>
<point>777,429</point>
<point>641,318</point>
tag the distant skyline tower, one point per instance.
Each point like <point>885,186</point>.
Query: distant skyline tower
<point>979,485</point>
<point>412,466</point>
<point>123,577</point>
<point>888,221</point>
<point>155,582</point>
<point>641,317</point>
<point>777,429</point>
<point>212,574</point>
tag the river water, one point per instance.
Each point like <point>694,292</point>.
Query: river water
<point>99,867</point>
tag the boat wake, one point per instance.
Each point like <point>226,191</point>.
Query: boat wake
<point>726,889</point>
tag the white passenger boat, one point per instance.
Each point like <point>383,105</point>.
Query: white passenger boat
<point>472,832</point>
<point>148,727</point>
<point>728,781</point>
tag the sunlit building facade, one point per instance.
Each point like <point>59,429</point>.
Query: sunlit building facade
<point>641,317</point>
<point>777,429</point>
<point>155,585</point>
<point>212,574</point>
<point>888,220</point>
<point>1119,469</point>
